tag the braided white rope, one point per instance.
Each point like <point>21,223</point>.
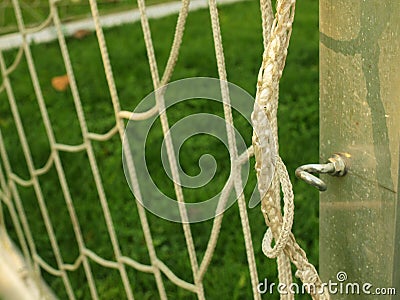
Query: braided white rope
<point>276,42</point>
<point>288,209</point>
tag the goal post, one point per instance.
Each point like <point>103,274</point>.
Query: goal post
<point>359,115</point>
<point>18,280</point>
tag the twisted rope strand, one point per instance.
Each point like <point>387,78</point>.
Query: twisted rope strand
<point>276,43</point>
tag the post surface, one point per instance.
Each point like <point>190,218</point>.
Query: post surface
<point>360,115</point>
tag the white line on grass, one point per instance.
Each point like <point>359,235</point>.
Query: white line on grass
<point>14,40</point>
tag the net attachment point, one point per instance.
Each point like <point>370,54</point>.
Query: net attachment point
<point>337,165</point>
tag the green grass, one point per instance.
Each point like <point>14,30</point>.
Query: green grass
<point>298,133</point>
<point>35,12</point>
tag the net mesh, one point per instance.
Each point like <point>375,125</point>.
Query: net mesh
<point>12,182</point>
<point>87,259</point>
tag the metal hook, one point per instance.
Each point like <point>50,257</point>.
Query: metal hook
<point>336,166</point>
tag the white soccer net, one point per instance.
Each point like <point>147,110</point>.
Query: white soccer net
<point>51,205</point>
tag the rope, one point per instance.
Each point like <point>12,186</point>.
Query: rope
<point>235,171</point>
<point>27,153</point>
<point>165,128</point>
<point>276,41</point>
<point>92,161</point>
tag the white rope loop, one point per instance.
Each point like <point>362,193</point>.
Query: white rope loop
<point>288,197</point>
<point>276,43</point>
